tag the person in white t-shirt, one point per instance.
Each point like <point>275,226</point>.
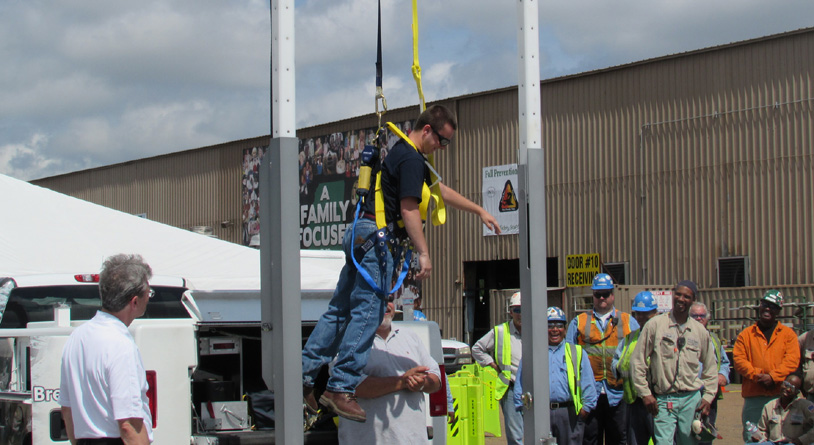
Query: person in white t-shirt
<point>103,389</point>
<point>398,373</point>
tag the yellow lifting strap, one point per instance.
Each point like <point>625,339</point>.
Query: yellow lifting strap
<point>439,211</point>
<point>416,65</point>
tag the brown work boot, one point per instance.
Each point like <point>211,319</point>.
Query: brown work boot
<point>344,404</point>
<point>309,399</point>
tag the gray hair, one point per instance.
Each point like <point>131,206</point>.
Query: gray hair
<point>703,306</point>
<point>122,278</point>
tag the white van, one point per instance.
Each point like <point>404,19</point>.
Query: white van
<point>201,350</point>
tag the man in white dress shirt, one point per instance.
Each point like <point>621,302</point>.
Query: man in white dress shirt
<point>103,389</point>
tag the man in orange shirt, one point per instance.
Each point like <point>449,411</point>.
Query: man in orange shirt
<point>764,354</point>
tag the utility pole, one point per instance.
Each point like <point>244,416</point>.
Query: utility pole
<point>279,241</point>
<point>533,283</point>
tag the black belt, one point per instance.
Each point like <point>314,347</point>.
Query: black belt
<point>101,441</point>
<point>555,405</point>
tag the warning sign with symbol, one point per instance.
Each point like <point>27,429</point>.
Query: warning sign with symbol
<point>500,198</point>
<point>508,202</point>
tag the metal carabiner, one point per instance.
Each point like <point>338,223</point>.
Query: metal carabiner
<point>380,95</point>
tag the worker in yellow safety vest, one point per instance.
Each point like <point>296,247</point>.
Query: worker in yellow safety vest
<point>572,393</point>
<point>501,348</point>
<point>599,332</point>
<point>700,313</point>
<point>640,426</point>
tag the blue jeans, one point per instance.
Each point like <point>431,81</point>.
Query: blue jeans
<point>347,328</point>
<point>512,418</point>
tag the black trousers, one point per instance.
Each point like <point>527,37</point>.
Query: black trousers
<point>606,425</point>
<point>641,428</point>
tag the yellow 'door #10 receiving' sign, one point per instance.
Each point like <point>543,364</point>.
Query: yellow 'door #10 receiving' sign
<point>580,269</point>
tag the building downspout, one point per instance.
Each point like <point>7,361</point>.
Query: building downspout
<point>642,235</point>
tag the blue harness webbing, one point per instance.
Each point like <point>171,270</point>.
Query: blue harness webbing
<point>383,243</point>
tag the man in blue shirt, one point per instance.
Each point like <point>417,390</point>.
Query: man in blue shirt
<point>571,383</point>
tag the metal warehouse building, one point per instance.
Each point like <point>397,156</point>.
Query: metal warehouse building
<point>695,165</point>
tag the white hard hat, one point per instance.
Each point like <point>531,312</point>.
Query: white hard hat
<point>515,299</point>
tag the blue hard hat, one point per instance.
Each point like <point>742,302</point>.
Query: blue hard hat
<point>602,281</point>
<point>644,302</point>
<point>556,314</point>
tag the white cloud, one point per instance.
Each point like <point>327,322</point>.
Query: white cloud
<point>113,81</point>
<point>25,160</point>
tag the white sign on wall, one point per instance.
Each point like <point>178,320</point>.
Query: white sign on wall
<point>500,199</point>
<point>664,298</point>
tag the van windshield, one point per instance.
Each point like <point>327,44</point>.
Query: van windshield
<point>30,304</point>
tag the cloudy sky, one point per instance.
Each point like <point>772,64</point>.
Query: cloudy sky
<point>85,83</point>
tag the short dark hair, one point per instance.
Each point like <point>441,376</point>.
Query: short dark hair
<point>123,277</point>
<point>436,116</point>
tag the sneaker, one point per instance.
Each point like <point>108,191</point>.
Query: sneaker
<point>344,404</point>
<point>309,399</point>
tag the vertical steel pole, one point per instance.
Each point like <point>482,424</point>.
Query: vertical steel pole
<point>279,240</point>
<point>533,283</point>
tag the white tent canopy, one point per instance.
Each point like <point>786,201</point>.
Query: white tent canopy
<point>42,231</point>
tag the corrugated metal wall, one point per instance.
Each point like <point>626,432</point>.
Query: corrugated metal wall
<point>673,163</point>
<point>729,313</point>
<point>199,187</point>
<point>666,164</point>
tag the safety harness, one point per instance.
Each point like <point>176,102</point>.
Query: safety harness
<point>384,240</point>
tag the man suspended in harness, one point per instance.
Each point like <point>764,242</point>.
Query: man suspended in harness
<point>346,330</point>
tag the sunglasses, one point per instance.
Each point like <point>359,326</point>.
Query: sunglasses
<point>788,385</point>
<point>769,305</point>
<point>516,309</point>
<point>441,140</point>
<point>698,316</point>
<point>602,294</point>
<point>152,293</point>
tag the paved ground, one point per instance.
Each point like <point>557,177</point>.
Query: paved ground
<point>729,418</point>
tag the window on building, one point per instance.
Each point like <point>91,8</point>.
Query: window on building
<point>733,271</point>
<point>553,271</point>
<point>618,271</point>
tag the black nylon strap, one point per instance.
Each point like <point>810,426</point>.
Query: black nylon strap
<point>379,50</point>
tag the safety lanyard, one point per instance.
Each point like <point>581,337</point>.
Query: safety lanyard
<point>379,91</point>
<point>416,66</point>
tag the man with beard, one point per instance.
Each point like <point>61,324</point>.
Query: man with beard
<point>665,366</point>
<point>400,370</point>
<point>639,421</point>
<point>764,355</point>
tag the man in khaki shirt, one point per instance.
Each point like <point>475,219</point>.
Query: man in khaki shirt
<point>806,369</point>
<point>676,345</point>
<point>787,419</point>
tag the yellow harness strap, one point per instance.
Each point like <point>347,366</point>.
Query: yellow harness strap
<point>439,211</point>
<point>416,66</point>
